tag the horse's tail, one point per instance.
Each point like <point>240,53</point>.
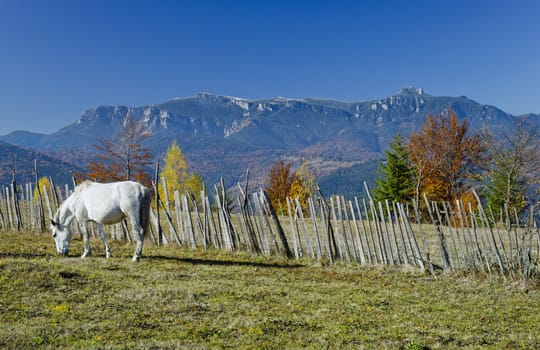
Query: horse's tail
<point>146,201</point>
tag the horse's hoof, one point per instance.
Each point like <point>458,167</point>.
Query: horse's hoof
<point>135,259</point>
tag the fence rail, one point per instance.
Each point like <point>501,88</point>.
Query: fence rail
<point>449,237</point>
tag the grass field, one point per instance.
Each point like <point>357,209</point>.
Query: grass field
<point>180,298</point>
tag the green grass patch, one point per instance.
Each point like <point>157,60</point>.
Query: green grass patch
<point>178,298</point>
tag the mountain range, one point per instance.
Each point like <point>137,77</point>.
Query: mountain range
<point>222,136</point>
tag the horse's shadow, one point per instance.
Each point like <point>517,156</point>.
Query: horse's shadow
<point>199,261</point>
<point>22,255</point>
<point>192,261</point>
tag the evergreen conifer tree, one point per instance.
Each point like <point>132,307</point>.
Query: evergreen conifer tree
<point>394,176</point>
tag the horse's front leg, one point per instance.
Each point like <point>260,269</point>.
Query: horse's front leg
<point>104,239</point>
<point>84,230</point>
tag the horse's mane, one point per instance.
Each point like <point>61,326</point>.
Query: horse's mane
<point>83,185</point>
<point>66,205</point>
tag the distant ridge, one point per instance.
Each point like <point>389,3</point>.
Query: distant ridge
<point>222,136</point>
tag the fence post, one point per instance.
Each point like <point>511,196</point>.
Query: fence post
<point>293,229</point>
<point>492,235</point>
<point>410,234</point>
<point>244,210</point>
<point>298,213</point>
<point>378,231</point>
<point>498,234</point>
<point>54,193</point>
<point>440,237</point>
<point>401,237</point>
<point>341,223</point>
<point>393,231</point>
<point>179,219</point>
<point>347,231</point>
<point>336,236</point>
<point>2,222</point>
<point>202,228</point>
<point>212,224</point>
<point>313,212</point>
<point>325,219</point>
<point>516,232</point>
<point>357,233</point>
<point>481,254</point>
<point>281,233</point>
<point>188,222</point>
<point>172,230</point>
<point>16,208</point>
<point>49,209</point>
<point>264,236</point>
<point>462,215</point>
<point>364,232</point>
<point>156,190</point>
<point>386,236</point>
<point>375,244</point>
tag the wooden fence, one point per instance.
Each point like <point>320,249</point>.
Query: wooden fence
<point>446,237</point>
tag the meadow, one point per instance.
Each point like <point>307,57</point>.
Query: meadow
<point>177,297</point>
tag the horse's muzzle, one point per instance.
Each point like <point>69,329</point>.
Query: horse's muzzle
<point>62,252</point>
<point>62,249</point>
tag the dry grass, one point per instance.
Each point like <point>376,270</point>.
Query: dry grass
<point>180,298</point>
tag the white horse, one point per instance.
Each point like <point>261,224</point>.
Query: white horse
<point>103,204</point>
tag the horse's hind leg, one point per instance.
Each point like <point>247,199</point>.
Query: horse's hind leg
<point>104,239</point>
<point>139,237</point>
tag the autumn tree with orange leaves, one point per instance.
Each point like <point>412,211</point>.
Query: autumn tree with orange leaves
<point>280,179</point>
<point>283,182</point>
<point>122,157</point>
<point>444,157</point>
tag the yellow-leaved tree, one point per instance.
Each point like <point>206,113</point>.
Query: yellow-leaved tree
<point>177,175</point>
<point>43,183</point>
<point>303,185</point>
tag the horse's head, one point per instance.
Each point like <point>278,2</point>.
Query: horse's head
<point>62,236</point>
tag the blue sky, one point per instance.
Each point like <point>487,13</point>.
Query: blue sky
<point>59,58</point>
